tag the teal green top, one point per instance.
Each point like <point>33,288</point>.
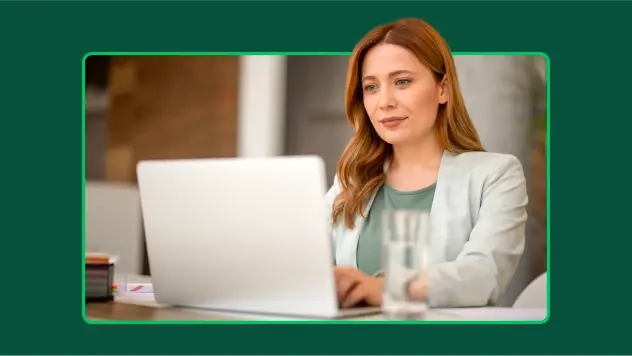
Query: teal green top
<point>369,252</point>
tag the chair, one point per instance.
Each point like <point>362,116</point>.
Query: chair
<point>534,295</point>
<point>114,224</point>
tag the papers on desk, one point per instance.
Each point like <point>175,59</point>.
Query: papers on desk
<point>140,288</point>
<point>138,293</point>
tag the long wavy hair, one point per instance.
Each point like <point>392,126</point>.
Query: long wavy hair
<point>361,166</point>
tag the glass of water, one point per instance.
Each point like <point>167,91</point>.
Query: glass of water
<point>121,285</point>
<point>405,242</point>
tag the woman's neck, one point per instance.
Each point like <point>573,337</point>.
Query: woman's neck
<point>424,155</point>
<point>414,166</point>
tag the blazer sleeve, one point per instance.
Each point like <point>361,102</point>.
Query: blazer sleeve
<point>488,261</point>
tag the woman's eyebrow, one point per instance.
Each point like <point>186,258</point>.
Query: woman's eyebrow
<point>390,75</point>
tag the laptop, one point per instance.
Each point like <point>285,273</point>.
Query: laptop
<point>241,235</point>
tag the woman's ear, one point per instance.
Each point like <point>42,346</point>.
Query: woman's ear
<point>444,90</point>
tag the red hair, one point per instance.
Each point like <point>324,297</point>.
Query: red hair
<point>361,166</point>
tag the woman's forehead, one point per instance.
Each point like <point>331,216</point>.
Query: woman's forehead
<point>385,59</point>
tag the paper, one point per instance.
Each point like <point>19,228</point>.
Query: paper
<point>138,293</point>
<point>140,288</point>
<point>144,299</point>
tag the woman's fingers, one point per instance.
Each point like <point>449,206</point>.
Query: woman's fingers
<point>355,295</point>
<point>344,285</point>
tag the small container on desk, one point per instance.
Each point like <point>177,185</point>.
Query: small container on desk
<point>99,277</point>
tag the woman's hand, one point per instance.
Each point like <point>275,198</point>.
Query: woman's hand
<point>354,287</point>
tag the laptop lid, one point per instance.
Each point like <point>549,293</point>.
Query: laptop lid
<point>240,234</point>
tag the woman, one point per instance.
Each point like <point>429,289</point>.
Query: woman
<point>415,147</point>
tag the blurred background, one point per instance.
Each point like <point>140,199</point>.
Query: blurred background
<point>166,107</point>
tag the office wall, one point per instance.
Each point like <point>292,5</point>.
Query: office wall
<point>170,107</point>
<point>262,98</point>
<point>96,126</point>
<point>316,119</point>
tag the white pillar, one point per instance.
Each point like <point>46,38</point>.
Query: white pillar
<point>499,95</point>
<point>261,108</point>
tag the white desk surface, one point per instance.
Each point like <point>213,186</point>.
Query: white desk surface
<point>445,314</point>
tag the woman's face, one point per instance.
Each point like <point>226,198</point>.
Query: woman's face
<point>401,95</point>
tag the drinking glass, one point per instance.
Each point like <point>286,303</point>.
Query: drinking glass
<point>405,243</point>
<point>121,285</point>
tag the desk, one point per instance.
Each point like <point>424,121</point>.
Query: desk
<point>144,308</point>
<point>117,311</point>
<point>125,311</point>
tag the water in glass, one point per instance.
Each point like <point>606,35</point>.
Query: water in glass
<point>404,246</point>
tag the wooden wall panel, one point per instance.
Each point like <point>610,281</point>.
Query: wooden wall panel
<point>168,108</point>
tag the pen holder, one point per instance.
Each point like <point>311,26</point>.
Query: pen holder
<point>99,280</point>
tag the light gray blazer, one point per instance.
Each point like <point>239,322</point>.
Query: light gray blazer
<point>478,220</point>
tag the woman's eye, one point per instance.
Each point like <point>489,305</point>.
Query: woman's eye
<point>370,87</point>
<point>402,82</point>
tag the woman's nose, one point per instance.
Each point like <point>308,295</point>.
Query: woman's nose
<point>387,99</point>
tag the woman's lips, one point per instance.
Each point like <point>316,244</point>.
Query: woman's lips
<point>392,122</point>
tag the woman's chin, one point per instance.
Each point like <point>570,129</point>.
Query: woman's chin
<point>393,138</point>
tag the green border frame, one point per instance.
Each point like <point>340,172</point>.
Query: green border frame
<point>184,322</point>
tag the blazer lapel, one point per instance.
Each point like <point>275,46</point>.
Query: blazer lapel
<point>439,213</point>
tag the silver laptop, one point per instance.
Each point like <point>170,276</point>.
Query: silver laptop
<point>242,235</point>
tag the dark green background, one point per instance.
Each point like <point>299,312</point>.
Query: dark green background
<point>41,180</point>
